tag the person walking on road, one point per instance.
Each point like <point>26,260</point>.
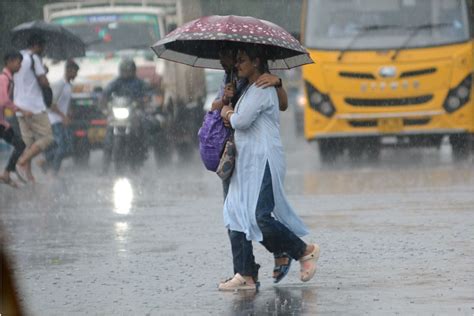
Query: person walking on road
<point>58,116</point>
<point>12,61</point>
<point>256,207</point>
<point>35,129</point>
<point>229,93</point>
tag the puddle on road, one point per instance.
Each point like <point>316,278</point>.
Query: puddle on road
<point>279,300</point>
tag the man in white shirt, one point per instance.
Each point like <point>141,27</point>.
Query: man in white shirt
<point>58,116</point>
<point>36,129</point>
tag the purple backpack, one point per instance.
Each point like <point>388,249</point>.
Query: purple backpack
<point>212,138</point>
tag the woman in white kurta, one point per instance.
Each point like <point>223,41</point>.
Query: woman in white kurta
<point>256,189</point>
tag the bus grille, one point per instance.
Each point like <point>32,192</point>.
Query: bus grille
<point>389,102</point>
<point>373,123</point>
<point>363,123</point>
<point>357,75</point>
<point>418,72</point>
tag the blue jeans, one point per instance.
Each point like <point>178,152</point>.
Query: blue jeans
<point>15,140</point>
<point>277,238</point>
<point>61,147</point>
<point>242,255</point>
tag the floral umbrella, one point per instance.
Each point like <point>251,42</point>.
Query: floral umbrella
<point>197,43</point>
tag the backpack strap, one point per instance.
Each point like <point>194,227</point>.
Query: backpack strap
<point>46,91</point>
<point>33,65</point>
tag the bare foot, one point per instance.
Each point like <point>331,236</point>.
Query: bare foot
<point>5,178</point>
<point>25,172</point>
<point>29,174</point>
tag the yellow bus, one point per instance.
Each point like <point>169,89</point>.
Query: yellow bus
<point>388,72</point>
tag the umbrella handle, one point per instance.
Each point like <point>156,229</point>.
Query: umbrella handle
<point>233,79</point>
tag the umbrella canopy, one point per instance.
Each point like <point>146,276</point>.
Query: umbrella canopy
<point>60,43</point>
<point>197,43</point>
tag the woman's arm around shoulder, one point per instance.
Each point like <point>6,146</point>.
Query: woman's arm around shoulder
<point>255,101</point>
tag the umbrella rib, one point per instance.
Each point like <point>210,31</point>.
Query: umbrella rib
<point>195,61</point>
<point>287,66</point>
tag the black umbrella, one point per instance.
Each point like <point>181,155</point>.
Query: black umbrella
<point>60,43</point>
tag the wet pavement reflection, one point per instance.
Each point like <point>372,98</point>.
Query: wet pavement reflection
<point>123,196</point>
<point>395,238</point>
<point>278,301</point>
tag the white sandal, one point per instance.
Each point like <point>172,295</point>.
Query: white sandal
<point>308,273</point>
<point>237,283</point>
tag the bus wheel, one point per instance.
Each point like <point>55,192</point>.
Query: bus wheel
<point>356,149</point>
<point>460,146</point>
<point>373,148</point>
<point>329,149</point>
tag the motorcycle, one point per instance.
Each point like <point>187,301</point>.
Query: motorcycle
<point>128,138</point>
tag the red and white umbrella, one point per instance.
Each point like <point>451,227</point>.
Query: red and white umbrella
<point>197,43</point>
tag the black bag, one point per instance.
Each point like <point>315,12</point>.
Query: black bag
<point>47,92</point>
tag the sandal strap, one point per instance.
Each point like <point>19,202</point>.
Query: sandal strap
<point>282,255</point>
<point>313,255</point>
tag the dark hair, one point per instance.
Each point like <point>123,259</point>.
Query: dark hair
<point>254,52</point>
<point>227,48</point>
<point>12,55</point>
<point>35,39</point>
<point>71,64</point>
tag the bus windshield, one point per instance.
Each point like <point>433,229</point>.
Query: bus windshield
<point>339,24</point>
<point>113,32</point>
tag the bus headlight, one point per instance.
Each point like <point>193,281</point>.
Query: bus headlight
<point>458,96</point>
<point>462,92</point>
<point>121,113</point>
<point>319,101</point>
<point>301,101</point>
<point>316,97</point>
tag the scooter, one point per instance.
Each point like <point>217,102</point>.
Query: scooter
<point>128,141</point>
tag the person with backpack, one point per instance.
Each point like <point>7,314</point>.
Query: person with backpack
<point>58,116</point>
<point>230,91</point>
<point>30,81</point>
<point>12,61</point>
<point>256,206</point>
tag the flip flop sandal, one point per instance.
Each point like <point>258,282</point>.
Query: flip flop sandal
<point>281,269</point>
<point>23,174</point>
<point>307,273</point>
<point>20,178</point>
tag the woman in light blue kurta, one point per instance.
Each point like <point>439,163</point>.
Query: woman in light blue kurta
<point>256,189</point>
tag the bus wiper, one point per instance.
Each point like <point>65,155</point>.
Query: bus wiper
<point>362,31</point>
<point>415,31</point>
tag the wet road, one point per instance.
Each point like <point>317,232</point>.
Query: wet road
<point>396,238</point>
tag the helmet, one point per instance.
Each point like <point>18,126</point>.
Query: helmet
<point>127,66</point>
